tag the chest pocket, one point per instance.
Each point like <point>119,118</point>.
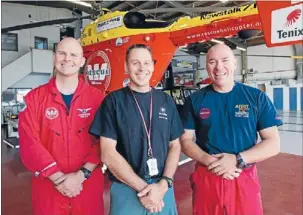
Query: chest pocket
<point>52,125</point>
<point>51,132</point>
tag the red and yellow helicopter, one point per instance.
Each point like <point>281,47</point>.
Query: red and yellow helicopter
<point>106,39</point>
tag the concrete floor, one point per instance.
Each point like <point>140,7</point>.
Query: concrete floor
<point>281,177</point>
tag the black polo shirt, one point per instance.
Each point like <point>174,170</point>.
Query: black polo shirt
<point>119,118</point>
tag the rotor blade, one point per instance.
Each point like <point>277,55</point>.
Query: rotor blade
<point>187,9</point>
<point>43,23</point>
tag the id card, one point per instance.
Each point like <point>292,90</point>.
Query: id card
<point>152,166</point>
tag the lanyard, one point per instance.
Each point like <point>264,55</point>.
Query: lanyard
<point>148,132</point>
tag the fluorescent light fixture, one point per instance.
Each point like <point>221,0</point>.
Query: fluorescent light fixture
<point>217,41</point>
<point>81,3</point>
<point>224,1</point>
<point>240,48</point>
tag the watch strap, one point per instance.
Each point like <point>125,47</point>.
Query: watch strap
<point>240,162</point>
<point>87,173</point>
<point>169,181</point>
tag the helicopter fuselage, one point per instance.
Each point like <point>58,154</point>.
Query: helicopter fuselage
<point>105,40</point>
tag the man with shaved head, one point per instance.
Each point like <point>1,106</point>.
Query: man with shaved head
<point>54,141</point>
<point>225,118</point>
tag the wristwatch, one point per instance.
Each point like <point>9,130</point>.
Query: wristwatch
<point>169,181</point>
<point>87,173</point>
<point>240,162</point>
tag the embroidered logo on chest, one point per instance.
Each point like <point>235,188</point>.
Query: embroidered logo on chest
<point>242,111</point>
<point>84,113</point>
<point>204,113</point>
<point>162,113</point>
<point>51,113</point>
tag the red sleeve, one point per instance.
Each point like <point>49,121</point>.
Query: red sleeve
<point>33,154</point>
<point>94,154</point>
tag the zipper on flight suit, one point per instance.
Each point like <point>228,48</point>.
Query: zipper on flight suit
<point>68,138</point>
<point>68,141</point>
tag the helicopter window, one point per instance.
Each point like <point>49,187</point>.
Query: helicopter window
<point>137,20</point>
<point>9,42</point>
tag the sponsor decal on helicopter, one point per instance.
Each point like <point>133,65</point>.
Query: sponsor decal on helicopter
<point>288,24</point>
<point>220,31</point>
<point>120,41</point>
<point>229,11</point>
<point>109,24</point>
<point>98,69</point>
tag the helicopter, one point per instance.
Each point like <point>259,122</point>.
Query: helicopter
<point>105,40</point>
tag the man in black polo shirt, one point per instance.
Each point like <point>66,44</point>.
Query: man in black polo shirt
<point>139,129</point>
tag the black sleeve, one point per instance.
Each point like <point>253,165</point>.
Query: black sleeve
<point>176,124</point>
<point>105,122</point>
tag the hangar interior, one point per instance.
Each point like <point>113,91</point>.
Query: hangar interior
<point>27,62</point>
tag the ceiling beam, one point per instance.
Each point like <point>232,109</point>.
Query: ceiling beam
<point>144,5</point>
<point>236,42</point>
<point>178,5</point>
<point>56,4</point>
<point>109,4</point>
<point>195,5</point>
<point>121,7</point>
<point>168,16</point>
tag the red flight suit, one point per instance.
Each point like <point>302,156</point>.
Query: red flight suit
<point>53,138</point>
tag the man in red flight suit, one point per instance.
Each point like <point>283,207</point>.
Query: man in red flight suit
<point>54,140</point>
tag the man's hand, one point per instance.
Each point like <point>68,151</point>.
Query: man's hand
<point>151,196</point>
<point>225,166</point>
<point>72,185</point>
<point>57,177</point>
<point>155,208</point>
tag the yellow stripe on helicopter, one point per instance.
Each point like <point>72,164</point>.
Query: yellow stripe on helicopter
<point>110,25</point>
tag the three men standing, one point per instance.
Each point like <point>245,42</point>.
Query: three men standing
<point>139,129</point>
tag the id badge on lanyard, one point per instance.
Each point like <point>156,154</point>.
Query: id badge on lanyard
<point>151,162</point>
<point>152,166</point>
